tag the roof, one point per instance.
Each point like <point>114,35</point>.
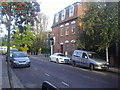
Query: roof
<point>85,51</point>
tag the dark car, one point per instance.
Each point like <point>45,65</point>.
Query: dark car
<point>20,59</point>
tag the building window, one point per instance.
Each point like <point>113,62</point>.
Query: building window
<point>73,29</point>
<point>67,30</point>
<point>73,45</point>
<point>56,17</point>
<point>71,11</point>
<point>63,15</point>
<point>66,46</point>
<point>61,31</point>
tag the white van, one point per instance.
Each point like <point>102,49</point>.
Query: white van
<point>88,59</point>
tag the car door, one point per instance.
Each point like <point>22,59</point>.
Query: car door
<point>76,57</point>
<point>84,59</point>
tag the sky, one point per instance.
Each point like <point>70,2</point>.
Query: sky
<point>51,7</point>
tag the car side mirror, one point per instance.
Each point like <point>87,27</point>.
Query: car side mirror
<point>86,57</point>
<point>28,55</point>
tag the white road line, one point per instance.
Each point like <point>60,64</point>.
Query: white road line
<point>47,74</point>
<point>65,84</point>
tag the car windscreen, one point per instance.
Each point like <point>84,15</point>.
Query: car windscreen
<point>61,55</point>
<point>19,55</point>
<point>13,50</point>
<point>94,56</point>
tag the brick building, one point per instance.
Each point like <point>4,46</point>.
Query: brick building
<point>64,28</point>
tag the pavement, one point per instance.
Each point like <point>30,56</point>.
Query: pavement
<point>4,81</point>
<point>4,77</point>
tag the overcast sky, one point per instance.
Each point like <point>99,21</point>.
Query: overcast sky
<point>51,7</point>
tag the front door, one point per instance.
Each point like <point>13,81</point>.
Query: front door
<point>61,50</point>
<point>84,60</point>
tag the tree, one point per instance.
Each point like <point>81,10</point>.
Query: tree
<point>39,31</point>
<point>20,13</point>
<point>101,26</point>
<point>23,40</point>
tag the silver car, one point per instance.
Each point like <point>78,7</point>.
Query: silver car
<point>89,59</point>
<point>20,59</point>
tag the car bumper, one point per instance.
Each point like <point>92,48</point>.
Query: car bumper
<point>102,67</point>
<point>21,64</point>
<point>64,61</point>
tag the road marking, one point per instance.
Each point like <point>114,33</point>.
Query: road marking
<point>47,74</point>
<point>65,84</point>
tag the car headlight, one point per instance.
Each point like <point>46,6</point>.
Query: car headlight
<point>15,61</point>
<point>28,60</point>
<point>99,63</point>
<point>61,58</point>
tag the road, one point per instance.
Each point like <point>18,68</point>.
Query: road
<point>64,76</point>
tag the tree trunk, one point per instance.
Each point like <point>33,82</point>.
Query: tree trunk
<point>107,55</point>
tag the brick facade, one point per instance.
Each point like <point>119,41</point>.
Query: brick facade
<point>64,28</point>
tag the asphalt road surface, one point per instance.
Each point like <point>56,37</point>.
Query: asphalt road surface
<point>64,76</point>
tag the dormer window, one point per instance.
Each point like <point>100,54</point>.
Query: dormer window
<point>63,14</point>
<point>71,11</point>
<point>56,17</point>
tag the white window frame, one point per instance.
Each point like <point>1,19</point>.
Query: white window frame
<point>63,14</point>
<point>56,17</point>
<point>71,11</point>
<point>67,30</point>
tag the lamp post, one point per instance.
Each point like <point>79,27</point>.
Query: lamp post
<point>51,45</point>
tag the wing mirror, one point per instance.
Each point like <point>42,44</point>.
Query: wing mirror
<point>86,57</point>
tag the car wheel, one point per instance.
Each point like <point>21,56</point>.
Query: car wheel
<point>28,65</point>
<point>91,67</point>
<point>57,61</point>
<point>73,63</point>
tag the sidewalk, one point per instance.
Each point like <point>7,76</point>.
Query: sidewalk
<point>0,73</point>
<point>5,80</point>
<point>111,69</point>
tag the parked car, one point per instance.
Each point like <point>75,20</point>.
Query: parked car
<point>89,59</point>
<point>11,51</point>
<point>59,58</point>
<point>20,59</point>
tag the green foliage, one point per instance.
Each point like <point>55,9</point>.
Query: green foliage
<point>100,26</point>
<point>23,39</point>
<point>21,48</point>
<point>45,49</point>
